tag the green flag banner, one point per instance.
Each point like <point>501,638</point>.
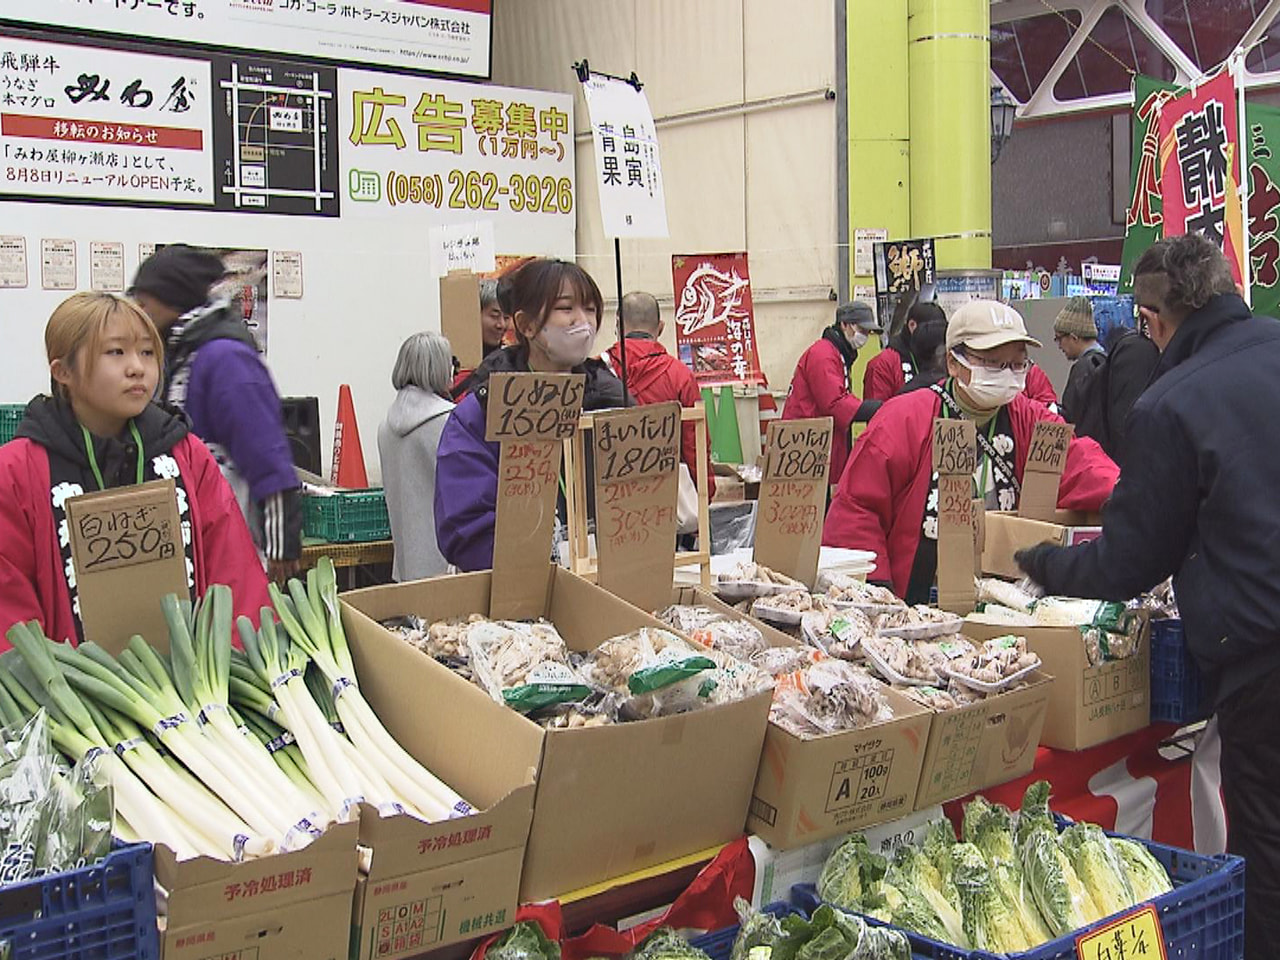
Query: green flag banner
<point>1144,223</point>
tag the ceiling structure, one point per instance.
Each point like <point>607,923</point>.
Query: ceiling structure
<point>1058,57</point>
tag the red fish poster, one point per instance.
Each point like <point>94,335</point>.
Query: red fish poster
<point>715,322</point>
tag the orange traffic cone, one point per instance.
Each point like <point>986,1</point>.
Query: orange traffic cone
<point>348,458</point>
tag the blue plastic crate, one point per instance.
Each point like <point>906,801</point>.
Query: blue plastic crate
<point>1177,688</point>
<point>718,944</point>
<point>103,912</point>
<point>1202,917</point>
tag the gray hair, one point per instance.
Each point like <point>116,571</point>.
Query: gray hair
<point>488,293</point>
<point>426,361</point>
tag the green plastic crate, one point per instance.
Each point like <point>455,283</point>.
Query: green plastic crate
<point>350,516</point>
<point>10,417</point>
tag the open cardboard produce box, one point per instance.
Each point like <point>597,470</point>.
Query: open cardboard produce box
<point>1007,533</point>
<point>609,800</point>
<point>284,906</point>
<point>1088,705</point>
<point>807,790</point>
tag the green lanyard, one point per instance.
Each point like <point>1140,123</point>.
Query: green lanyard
<point>986,460</point>
<point>93,459</point>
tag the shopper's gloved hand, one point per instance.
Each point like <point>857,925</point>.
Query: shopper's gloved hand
<point>866,410</point>
<point>1034,561</point>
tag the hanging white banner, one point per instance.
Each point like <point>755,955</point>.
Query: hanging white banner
<point>632,202</point>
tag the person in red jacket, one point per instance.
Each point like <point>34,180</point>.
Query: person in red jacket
<point>890,369</point>
<point>101,430</point>
<point>820,385</point>
<point>654,376</point>
<point>887,501</point>
<point>1039,388</point>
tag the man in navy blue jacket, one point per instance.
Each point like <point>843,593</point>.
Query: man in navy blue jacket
<point>1197,499</point>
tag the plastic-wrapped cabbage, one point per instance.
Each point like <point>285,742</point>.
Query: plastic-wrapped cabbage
<point>989,924</point>
<point>1147,877</point>
<point>665,944</point>
<point>989,827</point>
<point>840,936</point>
<point>756,929</point>
<point>1064,902</point>
<point>850,873</point>
<point>926,907</point>
<point>524,941</point>
<point>939,838</point>
<point>1098,866</point>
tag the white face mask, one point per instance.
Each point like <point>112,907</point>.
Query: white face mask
<point>859,340</point>
<point>990,389</point>
<point>568,346</point>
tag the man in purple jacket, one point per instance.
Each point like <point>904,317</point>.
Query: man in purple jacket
<point>214,374</point>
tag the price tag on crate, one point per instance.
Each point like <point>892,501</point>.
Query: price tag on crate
<point>955,459</point>
<point>1045,459</point>
<point>1132,937</point>
<point>637,459</point>
<point>793,497</point>
<point>529,414</point>
<point>126,546</point>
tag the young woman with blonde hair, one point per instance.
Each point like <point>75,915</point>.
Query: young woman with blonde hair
<point>99,430</point>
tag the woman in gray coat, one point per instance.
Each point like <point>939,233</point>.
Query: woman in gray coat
<point>407,442</point>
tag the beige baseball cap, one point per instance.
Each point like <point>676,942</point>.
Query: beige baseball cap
<point>987,324</point>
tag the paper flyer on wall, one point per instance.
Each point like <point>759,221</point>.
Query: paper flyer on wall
<point>628,166</point>
<point>715,320</point>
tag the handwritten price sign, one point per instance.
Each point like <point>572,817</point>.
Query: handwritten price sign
<point>126,545</point>
<point>534,406</point>
<point>799,450</point>
<point>529,414</point>
<point>954,447</point>
<point>793,496</point>
<point>955,500</point>
<point>637,455</point>
<point>1132,937</point>
<point>638,443</point>
<point>1049,442</point>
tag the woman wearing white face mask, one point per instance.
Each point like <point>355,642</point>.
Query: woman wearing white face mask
<point>820,385</point>
<point>556,308</point>
<point>888,498</point>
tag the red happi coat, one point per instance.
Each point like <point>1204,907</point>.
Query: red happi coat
<point>32,583</point>
<point>879,505</point>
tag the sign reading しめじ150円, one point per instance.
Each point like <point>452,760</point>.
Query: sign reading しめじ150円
<point>87,123</point>
<point>463,151</point>
<point>443,36</point>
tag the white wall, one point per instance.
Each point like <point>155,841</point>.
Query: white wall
<point>743,173</point>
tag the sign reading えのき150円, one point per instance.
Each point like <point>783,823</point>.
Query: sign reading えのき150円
<point>443,36</point>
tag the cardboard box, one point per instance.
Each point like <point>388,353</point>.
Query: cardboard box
<point>610,800</point>
<point>1087,705</point>
<point>216,908</point>
<point>984,744</point>
<point>430,885</point>
<point>811,789</point>
<point>1006,534</point>
<point>311,930</point>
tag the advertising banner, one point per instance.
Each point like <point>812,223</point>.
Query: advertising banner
<point>715,323</point>
<point>632,201</point>
<point>902,268</point>
<point>442,36</point>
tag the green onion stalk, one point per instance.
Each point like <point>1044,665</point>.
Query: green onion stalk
<point>311,617</point>
<point>72,729</point>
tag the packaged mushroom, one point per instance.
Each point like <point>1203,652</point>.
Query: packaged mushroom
<point>746,580</point>
<point>780,661</point>
<point>998,664</point>
<point>828,696</point>
<point>900,662</point>
<point>837,632</point>
<point>524,665</point>
<point>738,638</point>
<point>785,608</point>
<point>919,623</point>
<point>443,641</point>
<point>868,597</point>
<point>653,673</point>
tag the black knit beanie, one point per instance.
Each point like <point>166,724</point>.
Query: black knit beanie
<point>178,276</point>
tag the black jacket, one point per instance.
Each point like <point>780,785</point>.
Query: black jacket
<point>1131,363</point>
<point>1082,405</point>
<point>1197,497</point>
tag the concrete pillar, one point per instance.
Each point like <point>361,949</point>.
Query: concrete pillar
<point>949,59</point>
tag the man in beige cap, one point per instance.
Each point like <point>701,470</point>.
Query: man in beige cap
<point>887,501</point>
<point>1076,335</point>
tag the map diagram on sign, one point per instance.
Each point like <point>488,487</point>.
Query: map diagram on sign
<point>275,139</point>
